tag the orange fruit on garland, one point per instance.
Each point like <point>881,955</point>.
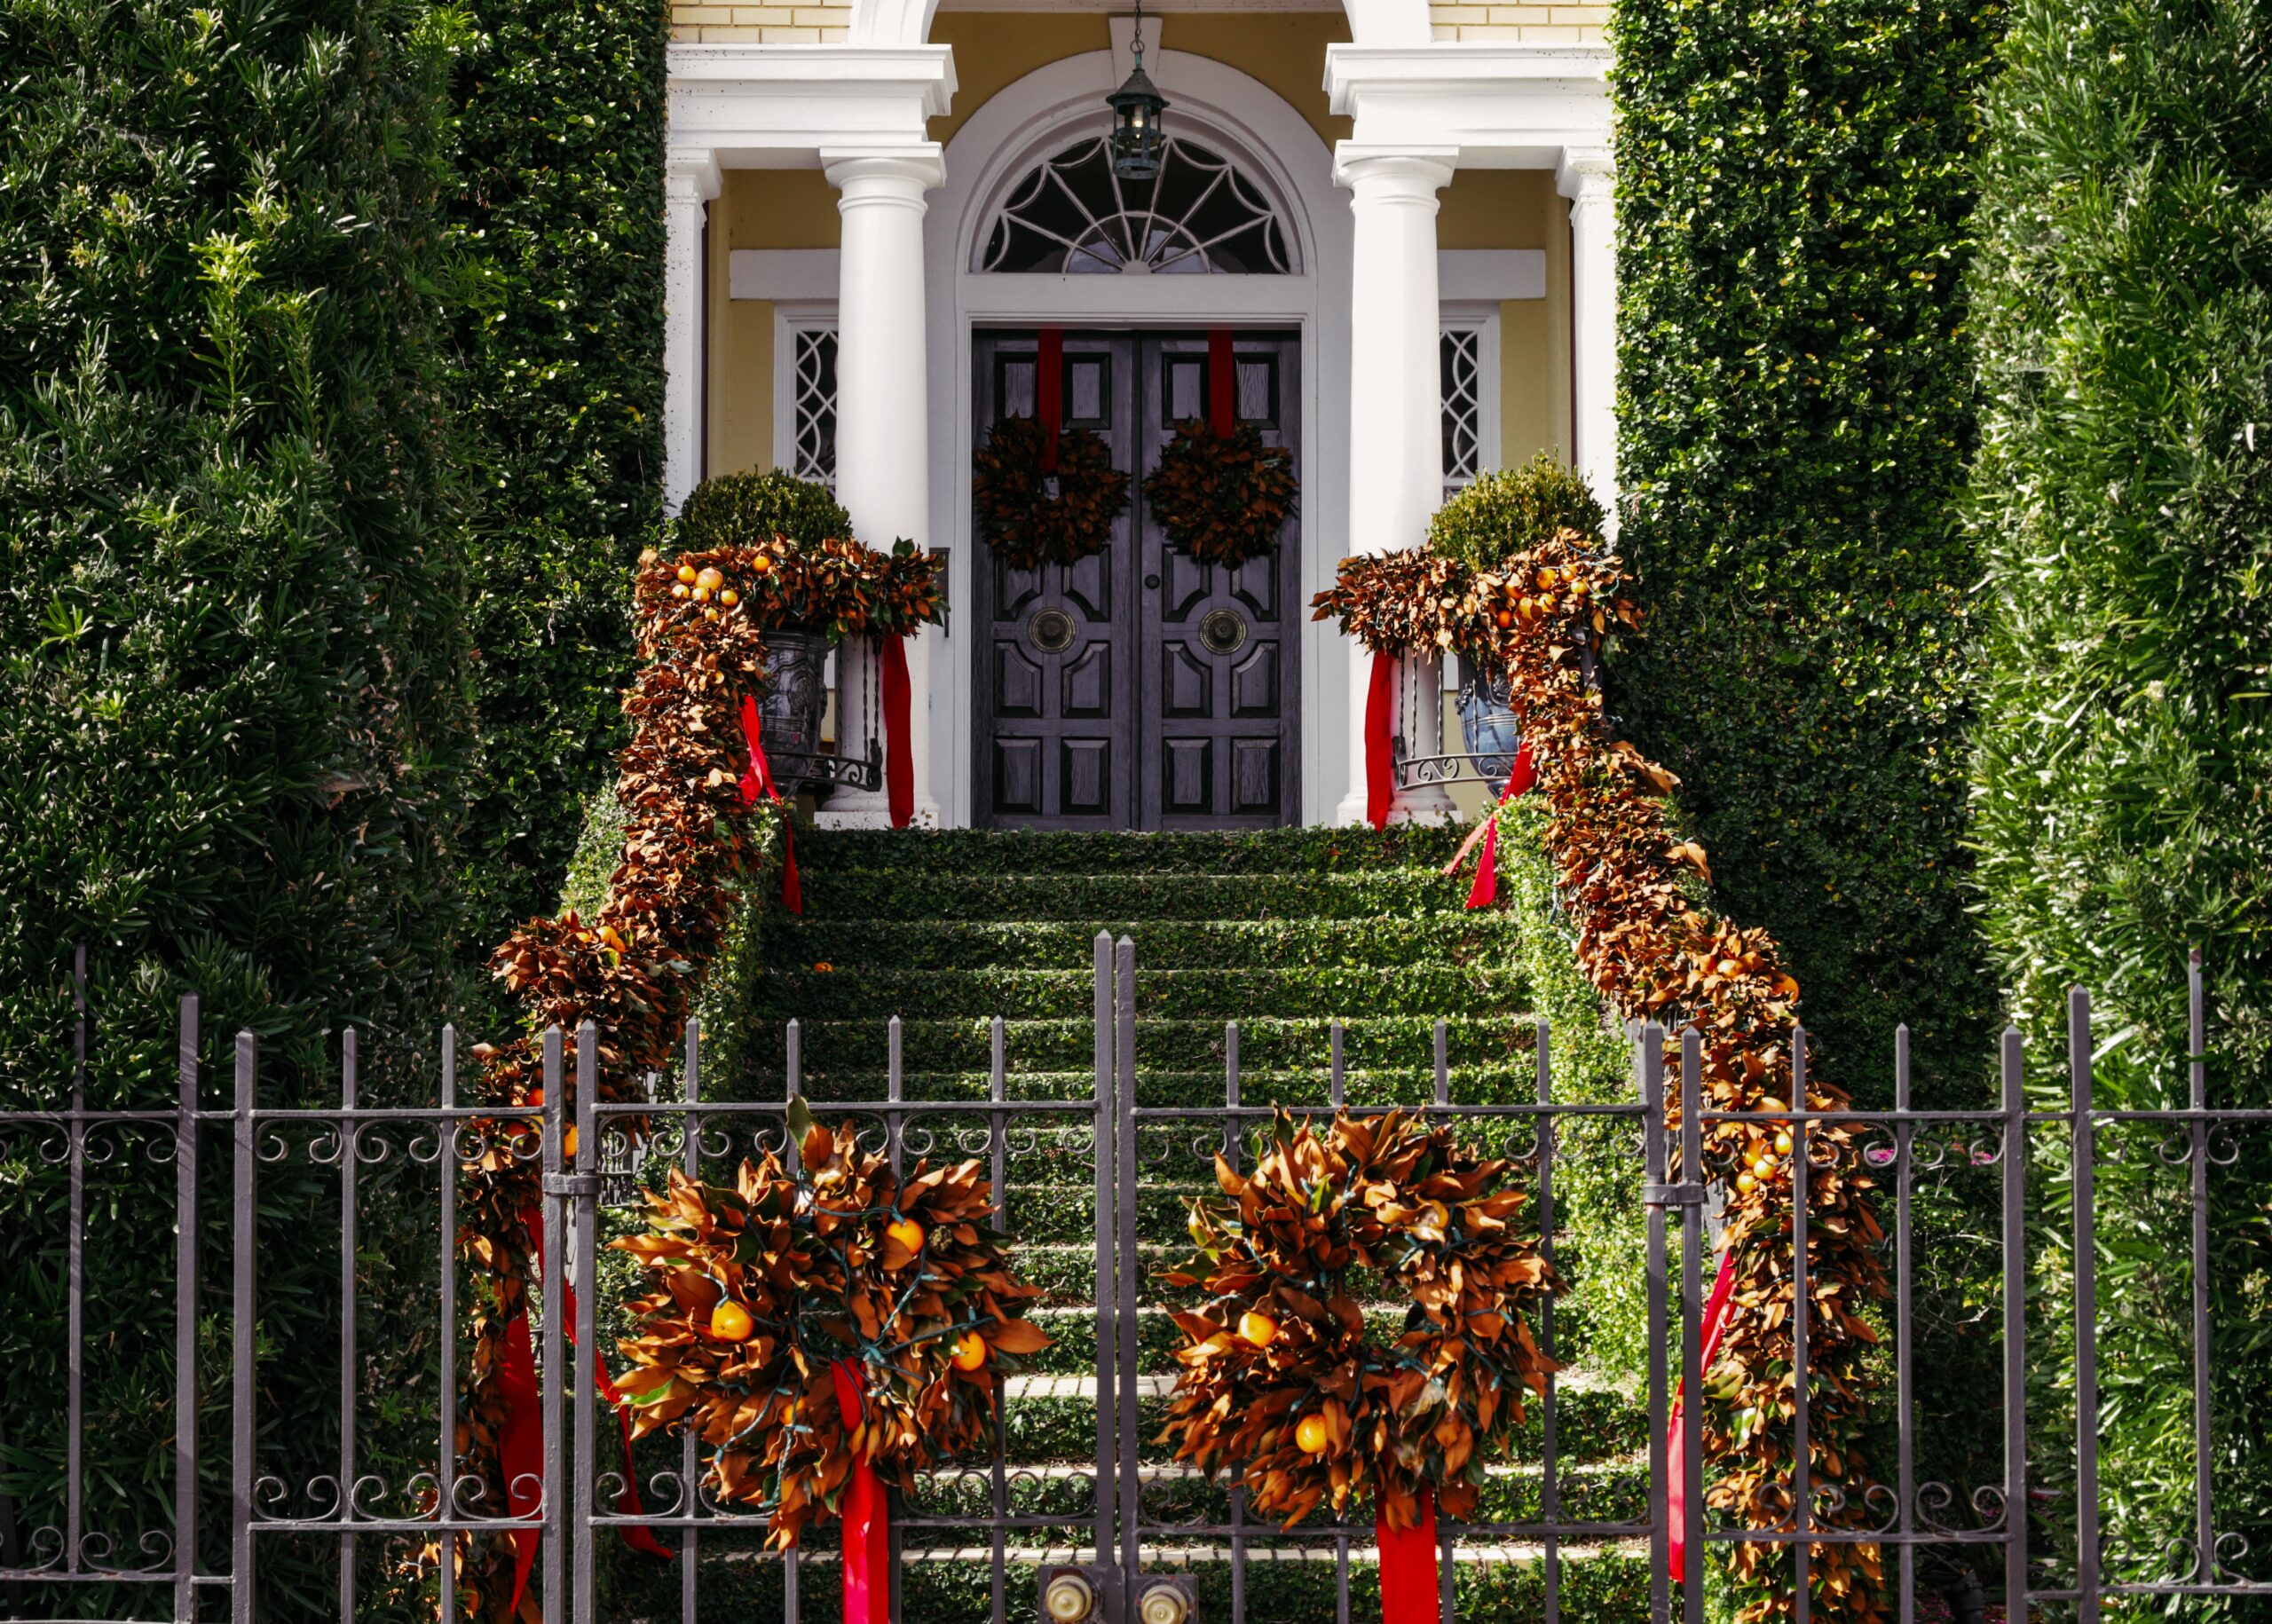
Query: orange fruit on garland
<point>1312,1435</point>
<point>970,1352</point>
<point>730,1321</point>
<point>686,573</point>
<point>907,1232</point>
<point>1259,1328</point>
<point>711,579</point>
<point>762,564</point>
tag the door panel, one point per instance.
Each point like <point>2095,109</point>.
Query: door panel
<point>1215,641</point>
<point>1137,688</point>
<point>1054,702</point>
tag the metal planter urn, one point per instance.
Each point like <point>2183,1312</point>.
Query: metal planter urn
<point>789,710</point>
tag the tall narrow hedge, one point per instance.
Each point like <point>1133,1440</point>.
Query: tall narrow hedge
<point>231,678</point>
<point>1795,410</point>
<point>2123,496</point>
<point>232,697</point>
<point>558,219</point>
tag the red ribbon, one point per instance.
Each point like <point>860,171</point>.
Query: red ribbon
<point>1222,384</point>
<point>899,738</point>
<point>1521,777</point>
<point>1410,1590</point>
<point>520,1446</point>
<point>522,1434</point>
<point>1380,763</point>
<point>867,1519</point>
<point>1049,393</point>
<point>1716,1321</point>
<point>757,780</point>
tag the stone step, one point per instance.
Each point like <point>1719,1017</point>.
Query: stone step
<point>1448,936</point>
<point>850,991</point>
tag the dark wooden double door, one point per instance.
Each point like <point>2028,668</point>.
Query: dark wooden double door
<point>1138,688</point>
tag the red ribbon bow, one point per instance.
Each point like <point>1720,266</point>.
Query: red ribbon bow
<point>1521,777</point>
<point>757,780</point>
<point>867,1518</point>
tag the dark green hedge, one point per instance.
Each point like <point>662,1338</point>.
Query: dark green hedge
<point>1795,415</point>
<point>232,692</point>
<point>558,216</point>
<point>2123,506</point>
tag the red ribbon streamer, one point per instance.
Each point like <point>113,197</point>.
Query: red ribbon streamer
<point>867,1519</point>
<point>1380,763</point>
<point>899,737</point>
<point>1411,1593</point>
<point>627,1503</point>
<point>520,1446</point>
<point>757,780</point>
<point>1222,384</point>
<point>1716,1321</point>
<point>1049,393</point>
<point>1521,777</point>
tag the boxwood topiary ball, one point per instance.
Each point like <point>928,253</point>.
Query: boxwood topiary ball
<point>1501,514</point>
<point>750,509</point>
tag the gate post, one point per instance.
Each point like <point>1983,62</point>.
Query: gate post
<point>1124,1077</point>
<point>1693,1239</point>
<point>1651,1064</point>
<point>185,1319</point>
<point>1105,1140</point>
<point>556,1466</point>
<point>245,1226</point>
<point>2015,1329</point>
<point>581,1278</point>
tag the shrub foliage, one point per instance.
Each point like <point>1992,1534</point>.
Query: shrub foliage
<point>2123,501</point>
<point>1795,415</point>
<point>558,223</point>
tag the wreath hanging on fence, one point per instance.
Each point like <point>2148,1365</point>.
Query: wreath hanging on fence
<point>808,1279</point>
<point>1281,1380</point>
<point>1221,497</point>
<point>1034,510</point>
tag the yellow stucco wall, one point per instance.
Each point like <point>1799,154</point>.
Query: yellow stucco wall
<point>693,23</point>
<point>1541,24</point>
<point>1482,209</point>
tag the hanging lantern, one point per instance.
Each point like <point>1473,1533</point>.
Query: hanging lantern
<point>1136,108</point>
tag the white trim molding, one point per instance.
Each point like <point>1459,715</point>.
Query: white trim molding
<point>1498,106</point>
<point>1242,120</point>
<point>1469,275</point>
<point>775,107</point>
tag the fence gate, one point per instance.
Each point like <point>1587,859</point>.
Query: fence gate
<point>289,1479</point>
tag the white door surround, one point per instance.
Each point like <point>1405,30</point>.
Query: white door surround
<point>860,111</point>
<point>1244,120</point>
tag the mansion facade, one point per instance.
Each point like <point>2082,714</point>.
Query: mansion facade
<point>883,214</point>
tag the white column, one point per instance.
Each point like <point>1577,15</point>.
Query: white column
<point>1396,448</point>
<point>883,411</point>
<point>690,180</point>
<point>1586,177</point>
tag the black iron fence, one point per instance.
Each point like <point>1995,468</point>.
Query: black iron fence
<point>1093,1502</point>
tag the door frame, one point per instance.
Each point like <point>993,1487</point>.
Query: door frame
<point>1137,644</point>
<point>1280,151</point>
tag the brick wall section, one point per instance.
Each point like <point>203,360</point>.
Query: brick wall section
<point>1543,24</point>
<point>698,22</point>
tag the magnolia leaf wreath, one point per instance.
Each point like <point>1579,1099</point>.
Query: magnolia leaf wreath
<point>1281,1379</point>
<point>760,1291</point>
<point>1031,517</point>
<point>1221,498</point>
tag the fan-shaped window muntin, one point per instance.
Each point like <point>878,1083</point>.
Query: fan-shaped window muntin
<point>1072,215</point>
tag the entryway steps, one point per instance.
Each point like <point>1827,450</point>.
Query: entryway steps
<point>1284,932</point>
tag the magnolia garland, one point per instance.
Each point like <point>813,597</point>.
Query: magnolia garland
<point>1021,517</point>
<point>1222,498</point>
<point>1655,952</point>
<point>1281,1378</point>
<point>692,840</point>
<point>759,1293</point>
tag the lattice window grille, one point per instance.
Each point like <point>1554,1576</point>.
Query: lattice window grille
<point>1072,214</point>
<point>1461,354</point>
<point>812,405</point>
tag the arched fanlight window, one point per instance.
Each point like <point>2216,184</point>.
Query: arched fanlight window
<point>1073,216</point>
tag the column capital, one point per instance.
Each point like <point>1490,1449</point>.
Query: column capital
<point>892,173</point>
<point>1413,170</point>
<point>692,175</point>
<point>1586,174</point>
